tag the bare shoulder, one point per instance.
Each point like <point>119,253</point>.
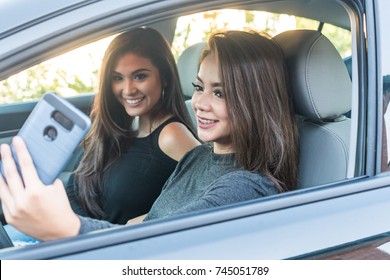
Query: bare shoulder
<point>175,140</point>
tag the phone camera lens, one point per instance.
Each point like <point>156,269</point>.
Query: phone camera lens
<point>50,133</point>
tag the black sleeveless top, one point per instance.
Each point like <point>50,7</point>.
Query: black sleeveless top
<point>134,181</point>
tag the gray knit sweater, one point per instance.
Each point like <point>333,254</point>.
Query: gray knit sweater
<point>201,180</point>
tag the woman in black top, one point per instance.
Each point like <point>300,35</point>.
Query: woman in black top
<point>132,183</point>
<point>138,116</point>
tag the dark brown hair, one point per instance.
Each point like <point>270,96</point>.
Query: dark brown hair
<point>263,127</point>
<point>111,130</point>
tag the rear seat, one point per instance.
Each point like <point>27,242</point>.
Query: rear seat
<point>187,66</point>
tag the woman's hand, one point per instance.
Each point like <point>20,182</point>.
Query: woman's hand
<point>136,220</point>
<point>41,211</point>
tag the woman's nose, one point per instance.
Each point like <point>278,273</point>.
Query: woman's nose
<point>202,102</point>
<point>128,87</point>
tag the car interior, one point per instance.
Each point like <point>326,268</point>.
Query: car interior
<point>321,89</point>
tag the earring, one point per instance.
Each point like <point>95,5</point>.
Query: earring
<point>163,93</point>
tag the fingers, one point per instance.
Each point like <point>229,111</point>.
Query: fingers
<point>11,173</point>
<point>6,197</point>
<point>26,163</point>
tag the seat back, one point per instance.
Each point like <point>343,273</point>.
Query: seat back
<point>187,66</point>
<point>321,90</point>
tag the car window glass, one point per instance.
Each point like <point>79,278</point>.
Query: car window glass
<point>197,27</point>
<point>340,38</point>
<point>384,42</point>
<point>69,74</point>
<point>76,72</point>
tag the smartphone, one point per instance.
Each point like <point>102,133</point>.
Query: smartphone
<point>52,132</point>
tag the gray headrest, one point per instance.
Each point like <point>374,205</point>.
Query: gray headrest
<point>321,86</point>
<point>187,66</point>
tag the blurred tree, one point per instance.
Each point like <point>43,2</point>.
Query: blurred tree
<point>33,83</point>
<point>341,39</point>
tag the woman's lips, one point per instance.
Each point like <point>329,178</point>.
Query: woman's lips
<point>134,102</point>
<point>206,123</point>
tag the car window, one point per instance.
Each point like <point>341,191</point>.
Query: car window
<point>384,42</point>
<point>69,74</point>
<point>197,27</point>
<point>340,38</point>
<point>67,78</point>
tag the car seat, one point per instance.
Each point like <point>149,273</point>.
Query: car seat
<point>187,65</point>
<point>321,90</point>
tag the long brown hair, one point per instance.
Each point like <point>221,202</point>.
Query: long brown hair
<point>263,127</point>
<point>111,132</point>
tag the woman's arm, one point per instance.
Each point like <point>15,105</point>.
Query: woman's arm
<point>38,210</point>
<point>231,188</point>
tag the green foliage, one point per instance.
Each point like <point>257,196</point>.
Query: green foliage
<point>341,39</point>
<point>33,83</point>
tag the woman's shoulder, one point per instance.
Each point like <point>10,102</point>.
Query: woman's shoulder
<point>200,151</point>
<point>192,158</point>
<point>176,139</point>
<point>246,175</point>
<point>242,179</point>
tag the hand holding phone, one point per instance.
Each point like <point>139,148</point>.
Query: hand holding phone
<point>52,132</point>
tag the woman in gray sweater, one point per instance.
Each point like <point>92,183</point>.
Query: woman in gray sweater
<point>244,112</point>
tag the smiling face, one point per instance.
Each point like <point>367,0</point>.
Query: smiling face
<point>136,83</point>
<point>209,105</point>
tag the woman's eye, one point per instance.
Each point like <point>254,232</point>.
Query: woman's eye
<point>116,78</point>
<point>218,94</point>
<point>197,87</point>
<point>140,76</point>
